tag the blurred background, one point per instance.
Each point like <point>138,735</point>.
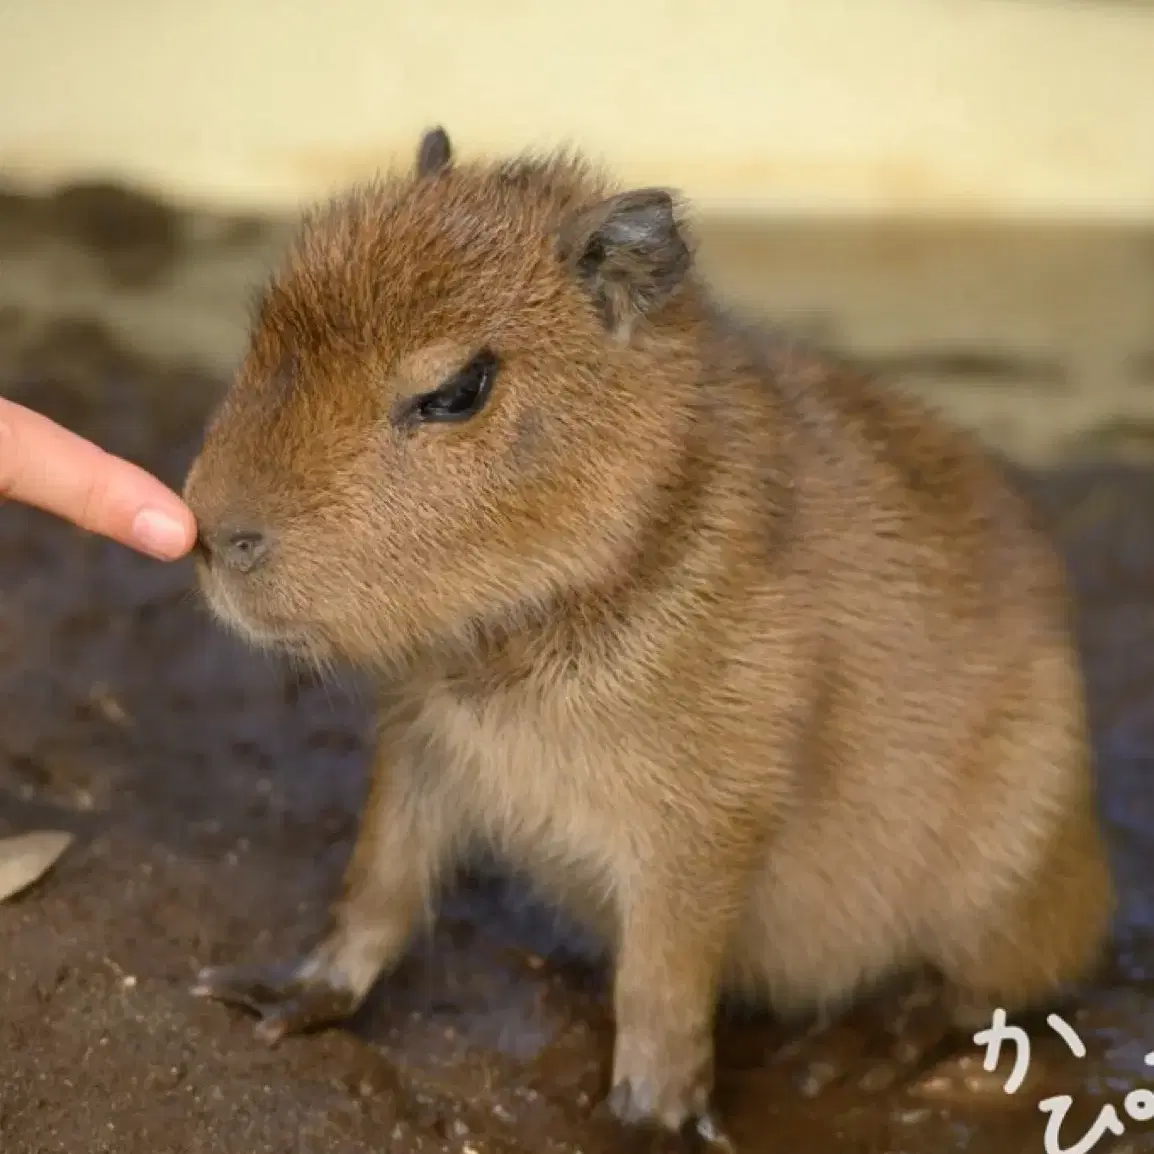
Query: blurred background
<point>958,192</point>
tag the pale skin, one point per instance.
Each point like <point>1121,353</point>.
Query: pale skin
<point>45,465</point>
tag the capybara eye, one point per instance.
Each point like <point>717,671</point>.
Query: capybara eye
<point>463,395</point>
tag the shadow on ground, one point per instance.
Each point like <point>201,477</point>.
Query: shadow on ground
<point>215,795</point>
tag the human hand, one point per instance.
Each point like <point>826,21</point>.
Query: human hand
<point>45,465</point>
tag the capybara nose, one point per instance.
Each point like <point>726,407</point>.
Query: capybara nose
<point>240,550</point>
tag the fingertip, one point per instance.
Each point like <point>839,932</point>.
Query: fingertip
<point>163,534</point>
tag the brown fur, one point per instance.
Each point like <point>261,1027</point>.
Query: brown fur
<point>764,671</point>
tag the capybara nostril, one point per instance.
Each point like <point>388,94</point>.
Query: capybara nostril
<point>240,550</point>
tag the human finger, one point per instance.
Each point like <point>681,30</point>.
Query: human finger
<point>45,465</point>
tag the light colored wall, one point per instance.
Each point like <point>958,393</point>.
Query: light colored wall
<point>1001,107</point>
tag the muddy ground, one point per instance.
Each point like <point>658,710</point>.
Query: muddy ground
<point>214,793</point>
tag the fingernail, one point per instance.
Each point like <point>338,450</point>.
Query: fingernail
<point>159,534</point>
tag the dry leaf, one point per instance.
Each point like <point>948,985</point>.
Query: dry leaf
<point>27,857</point>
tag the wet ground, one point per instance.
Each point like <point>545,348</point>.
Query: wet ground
<point>214,794</point>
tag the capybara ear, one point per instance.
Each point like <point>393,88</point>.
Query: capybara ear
<point>629,252</point>
<point>434,153</point>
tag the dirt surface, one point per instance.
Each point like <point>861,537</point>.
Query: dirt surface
<point>214,794</point>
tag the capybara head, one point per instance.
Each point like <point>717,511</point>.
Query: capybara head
<point>463,397</point>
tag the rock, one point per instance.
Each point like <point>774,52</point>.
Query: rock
<point>27,857</point>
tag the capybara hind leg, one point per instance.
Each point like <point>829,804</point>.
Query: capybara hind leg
<point>1048,938</point>
<point>1029,961</point>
